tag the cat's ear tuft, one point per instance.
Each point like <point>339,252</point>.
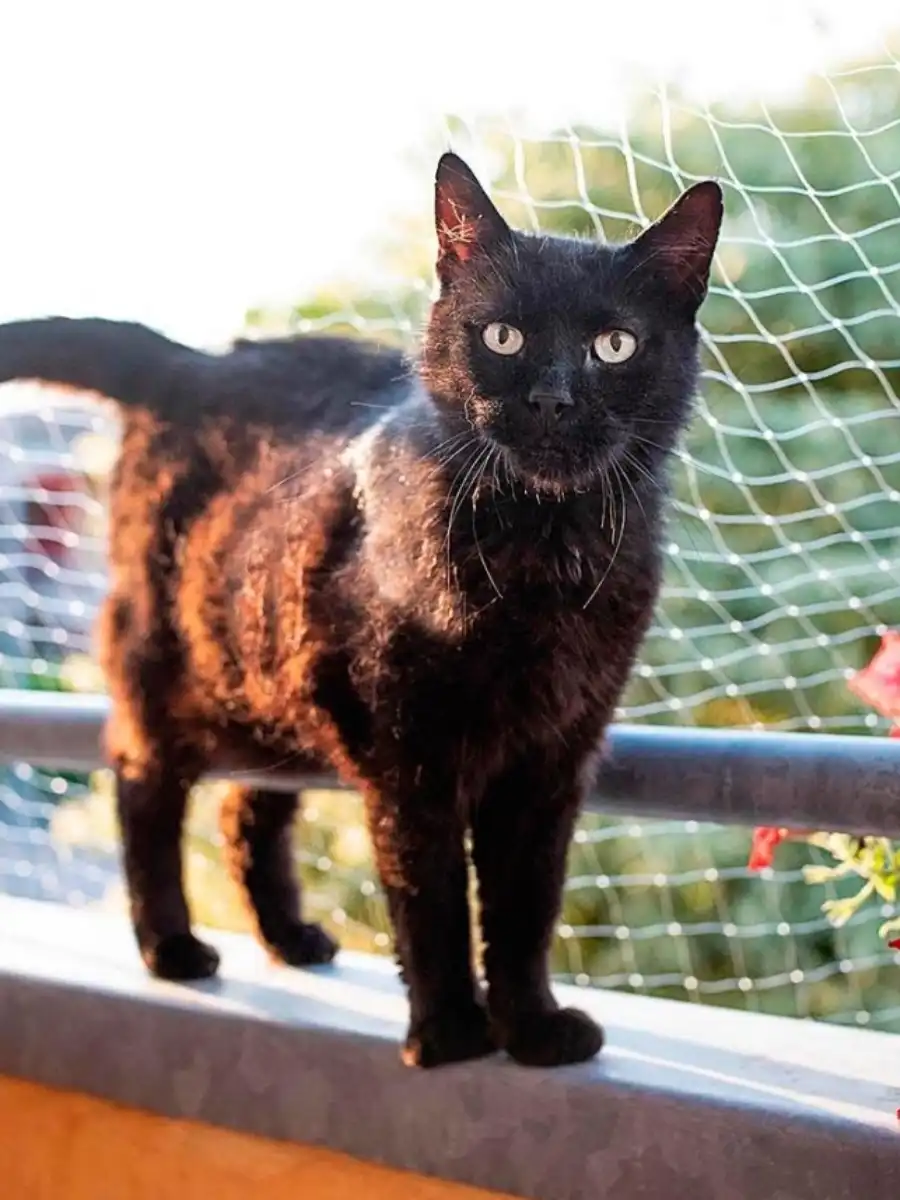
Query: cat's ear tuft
<point>466,221</point>
<point>681,243</point>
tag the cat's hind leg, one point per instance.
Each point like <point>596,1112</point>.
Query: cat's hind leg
<point>156,763</point>
<point>151,807</point>
<point>257,825</point>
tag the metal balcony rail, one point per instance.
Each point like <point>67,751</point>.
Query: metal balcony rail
<point>730,777</point>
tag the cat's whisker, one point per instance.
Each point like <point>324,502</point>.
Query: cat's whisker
<point>448,441</point>
<point>456,493</point>
<point>643,468</point>
<point>471,480</point>
<point>469,450</point>
<point>495,480</point>
<point>623,479</point>
<point>481,471</point>
<point>645,441</point>
<point>620,495</point>
<point>472,469</point>
<point>660,489</point>
<point>487,570</point>
<point>494,462</point>
<point>445,460</point>
<point>685,530</point>
<point>510,474</point>
<point>294,475</point>
<point>644,473</point>
<point>666,422</point>
<point>613,506</point>
<point>638,500</point>
<point>602,480</point>
<point>615,554</point>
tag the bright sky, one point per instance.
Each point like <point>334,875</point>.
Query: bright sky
<point>179,161</point>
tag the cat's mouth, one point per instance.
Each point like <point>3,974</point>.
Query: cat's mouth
<point>554,469</point>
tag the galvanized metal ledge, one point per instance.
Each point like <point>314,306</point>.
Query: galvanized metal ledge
<point>738,777</point>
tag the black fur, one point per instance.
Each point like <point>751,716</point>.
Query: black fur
<point>434,581</point>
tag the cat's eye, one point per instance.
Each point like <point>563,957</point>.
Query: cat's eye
<point>615,345</point>
<point>502,338</point>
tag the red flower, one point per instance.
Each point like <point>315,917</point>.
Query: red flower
<point>894,945</point>
<point>49,519</point>
<point>762,851</point>
<point>878,684</point>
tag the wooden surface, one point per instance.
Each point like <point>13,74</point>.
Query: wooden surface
<point>67,1146</point>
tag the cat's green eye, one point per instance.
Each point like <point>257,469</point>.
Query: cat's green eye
<point>502,338</point>
<point>615,345</point>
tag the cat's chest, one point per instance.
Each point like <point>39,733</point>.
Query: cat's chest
<point>543,660</point>
<point>533,637</point>
<point>519,680</point>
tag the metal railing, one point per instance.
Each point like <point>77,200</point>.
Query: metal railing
<point>819,1094</point>
<point>730,777</point>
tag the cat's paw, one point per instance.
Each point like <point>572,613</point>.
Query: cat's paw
<point>301,945</point>
<point>553,1038</point>
<point>181,957</point>
<point>452,1038</point>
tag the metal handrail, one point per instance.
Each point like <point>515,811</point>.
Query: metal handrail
<point>731,777</point>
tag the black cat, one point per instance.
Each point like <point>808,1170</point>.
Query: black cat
<point>433,580</point>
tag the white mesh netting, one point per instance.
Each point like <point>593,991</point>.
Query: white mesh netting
<point>782,546</point>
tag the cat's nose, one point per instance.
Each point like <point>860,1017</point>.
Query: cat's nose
<point>549,405</point>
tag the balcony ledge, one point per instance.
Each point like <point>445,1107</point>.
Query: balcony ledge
<point>685,1101</point>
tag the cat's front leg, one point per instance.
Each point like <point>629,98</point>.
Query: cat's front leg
<point>521,831</point>
<point>418,838</point>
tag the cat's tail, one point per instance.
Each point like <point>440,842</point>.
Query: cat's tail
<point>126,362</point>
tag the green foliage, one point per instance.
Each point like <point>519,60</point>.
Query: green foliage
<point>876,861</point>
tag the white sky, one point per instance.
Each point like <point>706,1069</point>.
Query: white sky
<point>179,161</point>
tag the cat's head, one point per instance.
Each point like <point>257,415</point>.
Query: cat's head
<point>569,355</point>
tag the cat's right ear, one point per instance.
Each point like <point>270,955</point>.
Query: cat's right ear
<point>466,221</point>
<point>680,245</point>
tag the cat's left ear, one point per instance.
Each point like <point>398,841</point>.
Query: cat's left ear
<point>680,245</point>
<point>466,220</point>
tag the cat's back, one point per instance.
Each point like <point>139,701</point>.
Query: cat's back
<point>319,384</point>
<point>242,492</point>
<point>260,411</point>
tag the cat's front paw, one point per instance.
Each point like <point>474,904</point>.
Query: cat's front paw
<point>301,945</point>
<point>451,1038</point>
<point>552,1038</point>
<point>181,956</point>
